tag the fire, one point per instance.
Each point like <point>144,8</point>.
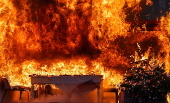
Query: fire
<point>149,2</point>
<point>164,37</point>
<point>69,67</point>
<point>132,3</point>
<point>73,37</point>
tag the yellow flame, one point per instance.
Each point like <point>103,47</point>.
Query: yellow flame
<point>163,35</point>
<point>70,67</point>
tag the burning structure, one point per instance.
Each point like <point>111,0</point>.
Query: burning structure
<point>80,37</point>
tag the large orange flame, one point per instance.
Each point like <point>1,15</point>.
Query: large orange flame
<point>74,37</point>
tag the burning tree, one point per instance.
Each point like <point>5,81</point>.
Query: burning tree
<point>146,81</point>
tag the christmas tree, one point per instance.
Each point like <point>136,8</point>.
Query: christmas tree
<point>146,82</point>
